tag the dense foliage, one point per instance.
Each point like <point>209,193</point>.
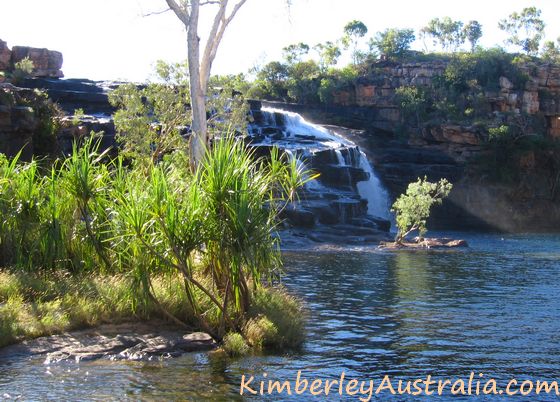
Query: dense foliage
<point>146,214</point>
<point>215,228</point>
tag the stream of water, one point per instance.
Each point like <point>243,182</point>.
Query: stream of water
<point>492,308</point>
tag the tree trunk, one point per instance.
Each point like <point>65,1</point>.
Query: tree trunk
<point>199,70</point>
<point>198,93</point>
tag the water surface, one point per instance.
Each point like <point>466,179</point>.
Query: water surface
<point>493,309</point>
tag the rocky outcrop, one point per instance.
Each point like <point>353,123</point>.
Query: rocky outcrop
<point>474,204</point>
<point>46,63</point>
<point>373,102</point>
<point>127,341</point>
<point>71,94</point>
<point>5,56</point>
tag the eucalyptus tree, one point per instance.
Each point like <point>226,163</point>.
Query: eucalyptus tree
<point>445,31</point>
<point>294,53</point>
<point>551,51</point>
<point>473,32</point>
<point>329,52</point>
<point>526,29</point>
<point>200,58</point>
<point>353,31</point>
<point>393,42</point>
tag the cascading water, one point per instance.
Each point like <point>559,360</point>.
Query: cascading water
<point>348,194</point>
<point>294,125</point>
<point>373,191</point>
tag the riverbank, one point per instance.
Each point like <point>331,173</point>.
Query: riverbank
<point>34,305</point>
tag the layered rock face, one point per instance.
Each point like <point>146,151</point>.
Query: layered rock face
<point>46,63</point>
<point>331,208</point>
<point>372,102</point>
<point>474,204</point>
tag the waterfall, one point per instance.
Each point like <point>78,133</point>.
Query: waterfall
<point>306,137</point>
<point>373,191</point>
<point>339,157</point>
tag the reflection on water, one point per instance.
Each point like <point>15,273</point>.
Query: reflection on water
<point>493,309</point>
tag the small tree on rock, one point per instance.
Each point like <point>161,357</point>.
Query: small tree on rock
<point>413,207</point>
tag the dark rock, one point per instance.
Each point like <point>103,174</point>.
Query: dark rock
<point>323,157</point>
<point>127,341</point>
<point>5,56</point>
<point>344,176</point>
<point>298,217</point>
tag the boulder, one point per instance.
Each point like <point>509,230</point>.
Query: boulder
<point>47,63</point>
<point>505,83</point>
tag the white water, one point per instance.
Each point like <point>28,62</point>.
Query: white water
<point>298,125</point>
<point>339,157</point>
<point>371,190</point>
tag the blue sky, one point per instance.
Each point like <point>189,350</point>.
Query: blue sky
<point>113,39</point>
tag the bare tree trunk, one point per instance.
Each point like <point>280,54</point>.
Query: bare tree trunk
<point>199,126</point>
<point>199,70</point>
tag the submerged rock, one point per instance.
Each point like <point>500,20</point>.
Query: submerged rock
<point>126,341</point>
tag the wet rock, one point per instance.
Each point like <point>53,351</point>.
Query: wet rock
<point>127,341</point>
<point>425,243</point>
<point>323,157</point>
<point>338,175</point>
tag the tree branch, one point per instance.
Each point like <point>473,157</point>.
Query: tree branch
<point>181,12</point>
<point>218,28</point>
<point>156,12</point>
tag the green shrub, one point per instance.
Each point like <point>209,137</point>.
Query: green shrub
<point>23,69</point>
<point>412,209</point>
<point>261,332</point>
<point>284,312</point>
<point>234,345</point>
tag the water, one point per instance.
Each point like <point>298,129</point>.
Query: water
<point>491,309</point>
<point>294,125</point>
<point>374,192</point>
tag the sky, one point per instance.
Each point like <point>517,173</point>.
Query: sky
<point>117,39</point>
